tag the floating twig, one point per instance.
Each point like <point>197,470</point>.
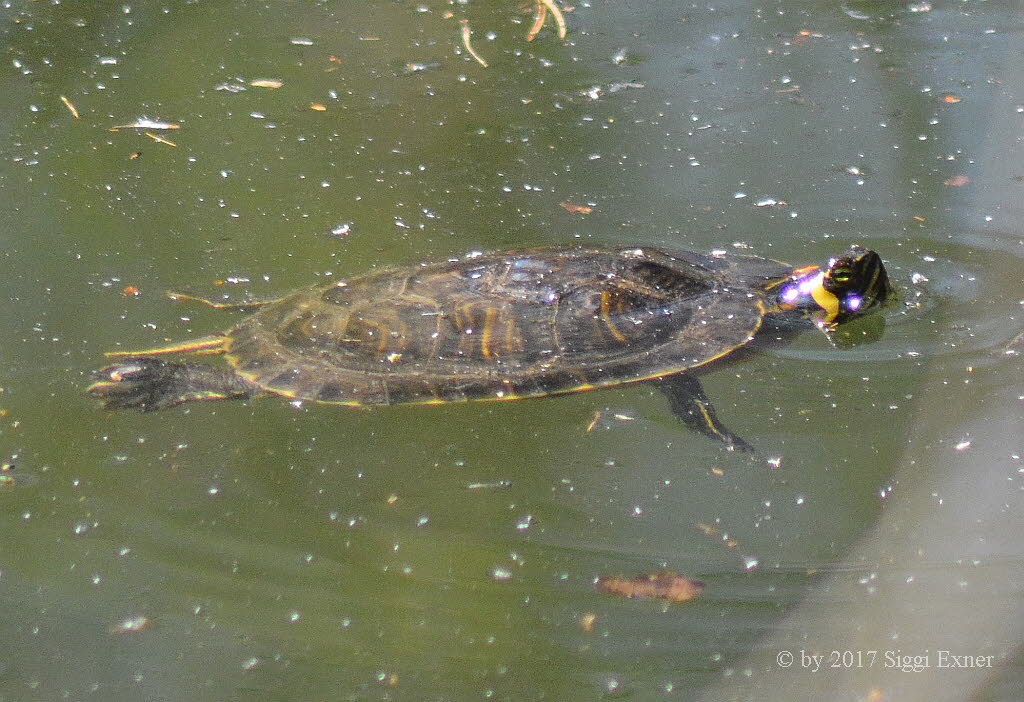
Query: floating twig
<point>71,108</point>
<point>538,20</point>
<point>559,17</point>
<point>465,42</point>
<point>160,140</point>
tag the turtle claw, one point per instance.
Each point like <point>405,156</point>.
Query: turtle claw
<point>145,384</point>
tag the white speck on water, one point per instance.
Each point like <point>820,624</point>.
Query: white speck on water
<point>963,445</point>
<point>501,574</point>
<point>342,229</point>
<point>750,563</point>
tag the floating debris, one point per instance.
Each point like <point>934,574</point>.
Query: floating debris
<point>587,622</point>
<point>957,181</point>
<point>341,230</point>
<point>146,123</point>
<point>71,108</point>
<point>538,21</point>
<point>500,574</point>
<point>559,17</point>
<point>713,531</point>
<point>131,625</point>
<point>160,140</point>
<point>317,107</point>
<point>576,209</point>
<point>666,585</point>
<point>597,91</point>
<point>489,486</point>
<point>469,47</point>
<point>415,67</point>
<point>1011,348</point>
<point>271,83</point>
<point>231,87</point>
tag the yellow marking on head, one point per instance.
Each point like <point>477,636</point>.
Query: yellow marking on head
<point>205,345</point>
<point>606,300</point>
<point>826,301</point>
<point>485,337</point>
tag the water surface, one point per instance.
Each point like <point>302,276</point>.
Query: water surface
<point>277,552</point>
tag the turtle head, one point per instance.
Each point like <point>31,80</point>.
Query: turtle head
<point>847,288</point>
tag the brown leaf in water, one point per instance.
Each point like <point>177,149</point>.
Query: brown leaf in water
<point>665,585</point>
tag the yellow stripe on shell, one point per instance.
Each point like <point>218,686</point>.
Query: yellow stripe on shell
<point>490,315</point>
<point>606,299</point>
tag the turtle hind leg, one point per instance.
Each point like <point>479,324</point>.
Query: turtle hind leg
<point>150,384</point>
<point>689,403</point>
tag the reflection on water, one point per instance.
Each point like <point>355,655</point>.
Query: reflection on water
<point>291,552</point>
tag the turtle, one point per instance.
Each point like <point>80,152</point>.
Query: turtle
<point>505,326</point>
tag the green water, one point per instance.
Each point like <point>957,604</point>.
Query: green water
<point>276,552</point>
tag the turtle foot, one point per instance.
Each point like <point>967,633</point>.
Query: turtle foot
<point>150,384</point>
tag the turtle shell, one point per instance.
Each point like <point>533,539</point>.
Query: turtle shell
<point>504,326</point>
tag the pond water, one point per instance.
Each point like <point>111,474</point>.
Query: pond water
<point>272,551</point>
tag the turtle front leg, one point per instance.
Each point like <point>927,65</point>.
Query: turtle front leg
<point>150,384</point>
<point>689,403</point>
